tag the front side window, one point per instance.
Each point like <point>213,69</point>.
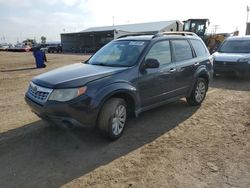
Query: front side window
<point>161,52</point>
<point>235,46</point>
<point>182,50</point>
<point>118,54</point>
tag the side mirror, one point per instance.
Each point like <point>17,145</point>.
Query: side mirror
<point>151,63</point>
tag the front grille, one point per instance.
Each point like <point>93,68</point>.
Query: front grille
<point>230,63</point>
<point>225,63</point>
<point>227,66</point>
<point>38,93</point>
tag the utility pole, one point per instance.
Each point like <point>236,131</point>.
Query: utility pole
<point>215,27</point>
<point>247,24</point>
<point>247,12</point>
<point>113,20</point>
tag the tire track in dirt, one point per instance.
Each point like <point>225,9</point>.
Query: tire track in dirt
<point>193,154</point>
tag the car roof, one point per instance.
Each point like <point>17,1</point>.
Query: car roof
<point>239,38</point>
<point>157,37</point>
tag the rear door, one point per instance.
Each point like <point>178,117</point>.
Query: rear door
<point>183,56</point>
<point>201,52</point>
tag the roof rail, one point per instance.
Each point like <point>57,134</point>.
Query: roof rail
<point>182,33</point>
<point>133,34</point>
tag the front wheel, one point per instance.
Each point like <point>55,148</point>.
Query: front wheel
<point>199,92</point>
<point>112,118</point>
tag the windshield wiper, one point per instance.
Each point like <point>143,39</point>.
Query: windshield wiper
<point>101,64</point>
<point>85,62</point>
<point>109,65</point>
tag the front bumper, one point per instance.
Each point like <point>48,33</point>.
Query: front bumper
<point>231,67</point>
<point>79,112</point>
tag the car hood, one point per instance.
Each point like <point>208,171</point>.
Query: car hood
<point>230,57</point>
<point>74,75</point>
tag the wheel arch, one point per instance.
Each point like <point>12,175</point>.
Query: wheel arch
<point>200,73</point>
<point>128,99</point>
<point>121,90</point>
<point>204,76</point>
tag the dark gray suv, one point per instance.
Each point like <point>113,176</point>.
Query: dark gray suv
<point>125,77</point>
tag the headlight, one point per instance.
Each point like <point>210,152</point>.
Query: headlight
<point>244,60</point>
<point>66,94</point>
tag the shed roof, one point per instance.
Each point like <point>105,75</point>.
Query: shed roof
<point>139,27</point>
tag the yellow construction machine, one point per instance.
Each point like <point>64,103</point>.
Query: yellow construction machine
<point>212,40</point>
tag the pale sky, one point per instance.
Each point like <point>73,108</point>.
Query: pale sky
<point>21,19</point>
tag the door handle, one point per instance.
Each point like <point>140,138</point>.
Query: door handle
<point>172,70</point>
<point>196,64</point>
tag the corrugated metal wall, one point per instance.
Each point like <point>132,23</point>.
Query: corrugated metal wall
<point>85,42</point>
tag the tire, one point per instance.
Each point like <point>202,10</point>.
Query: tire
<point>112,118</point>
<point>198,93</point>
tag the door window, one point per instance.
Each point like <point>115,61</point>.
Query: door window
<point>161,52</point>
<point>182,50</point>
<point>199,48</point>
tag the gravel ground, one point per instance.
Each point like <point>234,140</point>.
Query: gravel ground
<point>171,146</point>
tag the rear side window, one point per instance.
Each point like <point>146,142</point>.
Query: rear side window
<point>199,48</point>
<point>161,52</point>
<point>182,50</point>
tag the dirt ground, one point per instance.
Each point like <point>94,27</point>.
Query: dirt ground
<point>172,146</point>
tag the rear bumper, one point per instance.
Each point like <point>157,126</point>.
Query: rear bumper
<point>77,113</point>
<point>231,67</point>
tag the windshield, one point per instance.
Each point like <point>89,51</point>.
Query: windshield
<point>118,54</point>
<point>235,46</point>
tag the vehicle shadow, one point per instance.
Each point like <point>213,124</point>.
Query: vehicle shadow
<point>46,157</point>
<point>21,69</point>
<point>239,83</point>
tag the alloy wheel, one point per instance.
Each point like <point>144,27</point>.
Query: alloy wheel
<point>200,91</point>
<point>119,120</point>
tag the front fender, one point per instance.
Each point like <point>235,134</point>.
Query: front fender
<point>108,91</point>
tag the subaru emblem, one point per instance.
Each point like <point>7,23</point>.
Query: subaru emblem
<point>33,88</point>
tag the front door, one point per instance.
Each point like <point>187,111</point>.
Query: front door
<point>157,84</point>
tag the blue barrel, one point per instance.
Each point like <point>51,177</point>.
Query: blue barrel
<point>39,58</point>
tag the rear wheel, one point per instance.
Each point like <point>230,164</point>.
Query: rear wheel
<point>112,118</point>
<point>199,92</point>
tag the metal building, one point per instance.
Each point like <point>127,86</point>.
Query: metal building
<point>92,39</point>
